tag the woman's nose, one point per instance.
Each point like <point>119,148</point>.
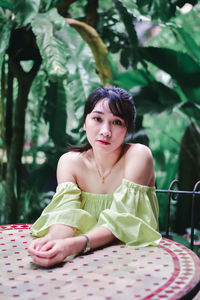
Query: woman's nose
<point>105,130</point>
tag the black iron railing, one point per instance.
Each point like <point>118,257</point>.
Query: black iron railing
<point>173,194</point>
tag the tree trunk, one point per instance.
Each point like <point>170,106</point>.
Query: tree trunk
<point>13,172</point>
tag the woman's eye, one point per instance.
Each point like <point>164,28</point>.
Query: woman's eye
<point>97,119</point>
<point>117,122</point>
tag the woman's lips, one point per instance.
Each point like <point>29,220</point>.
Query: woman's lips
<point>103,142</point>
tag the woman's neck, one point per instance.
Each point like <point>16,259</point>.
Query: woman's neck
<point>104,163</point>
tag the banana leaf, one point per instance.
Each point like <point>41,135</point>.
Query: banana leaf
<point>182,68</point>
<point>53,51</point>
<point>82,77</point>
<point>98,48</point>
<point>128,21</point>
<point>131,79</point>
<point>155,98</point>
<point>25,11</point>
<point>192,110</point>
<point>189,42</point>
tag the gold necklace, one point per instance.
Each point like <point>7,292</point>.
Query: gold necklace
<point>102,177</point>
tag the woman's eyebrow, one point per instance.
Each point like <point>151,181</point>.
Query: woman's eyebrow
<point>97,112</point>
<point>102,113</point>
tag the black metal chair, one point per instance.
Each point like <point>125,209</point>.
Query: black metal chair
<point>173,194</point>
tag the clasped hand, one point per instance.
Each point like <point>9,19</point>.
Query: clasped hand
<point>46,252</point>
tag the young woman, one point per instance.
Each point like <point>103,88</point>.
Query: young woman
<point>106,189</point>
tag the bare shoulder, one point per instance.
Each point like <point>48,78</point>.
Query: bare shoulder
<point>139,164</point>
<point>139,150</point>
<point>70,157</point>
<point>67,166</point>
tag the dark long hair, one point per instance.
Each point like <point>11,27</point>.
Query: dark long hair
<point>120,103</point>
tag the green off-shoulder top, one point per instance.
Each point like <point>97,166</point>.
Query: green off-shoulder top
<point>130,213</point>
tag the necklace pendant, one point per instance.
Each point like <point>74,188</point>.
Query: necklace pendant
<point>102,179</point>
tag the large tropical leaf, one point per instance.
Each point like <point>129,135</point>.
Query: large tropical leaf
<point>98,48</point>
<point>192,110</point>
<point>182,68</point>
<point>81,65</point>
<point>47,4</point>
<point>189,42</point>
<point>53,51</point>
<point>179,65</point>
<point>6,4</point>
<point>130,79</point>
<point>128,20</point>
<point>35,108</point>
<point>155,98</point>
<point>25,11</point>
<point>157,10</point>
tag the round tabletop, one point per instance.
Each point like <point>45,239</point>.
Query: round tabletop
<point>169,271</point>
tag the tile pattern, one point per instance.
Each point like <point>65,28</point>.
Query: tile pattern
<point>115,272</point>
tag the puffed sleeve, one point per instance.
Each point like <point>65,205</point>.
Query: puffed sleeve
<point>133,215</point>
<point>65,208</point>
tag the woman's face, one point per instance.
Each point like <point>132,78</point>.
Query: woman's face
<point>104,130</point>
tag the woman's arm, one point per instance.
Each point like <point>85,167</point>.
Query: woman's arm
<point>55,251</point>
<point>58,231</point>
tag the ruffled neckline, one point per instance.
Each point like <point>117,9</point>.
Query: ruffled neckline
<point>125,183</point>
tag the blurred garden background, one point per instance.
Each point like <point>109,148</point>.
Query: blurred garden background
<point>53,53</point>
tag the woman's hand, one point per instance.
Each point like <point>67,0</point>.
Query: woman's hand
<point>44,244</point>
<point>48,253</point>
<point>38,243</point>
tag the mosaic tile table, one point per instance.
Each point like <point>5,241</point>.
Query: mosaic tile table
<point>170,271</point>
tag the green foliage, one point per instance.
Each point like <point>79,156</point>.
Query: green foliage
<point>53,51</point>
<point>192,110</point>
<point>130,79</point>
<point>130,51</point>
<point>155,98</point>
<point>25,11</point>
<point>157,10</point>
<point>189,161</point>
<point>5,31</point>
<point>161,70</point>
<point>33,204</point>
<point>180,66</point>
<point>165,134</point>
<point>34,117</point>
<point>6,4</point>
<point>56,114</point>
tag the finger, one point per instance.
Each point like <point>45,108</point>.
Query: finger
<point>48,251</point>
<point>40,242</point>
<point>33,248</point>
<point>42,261</point>
<point>49,245</point>
<point>46,262</point>
<point>37,244</point>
